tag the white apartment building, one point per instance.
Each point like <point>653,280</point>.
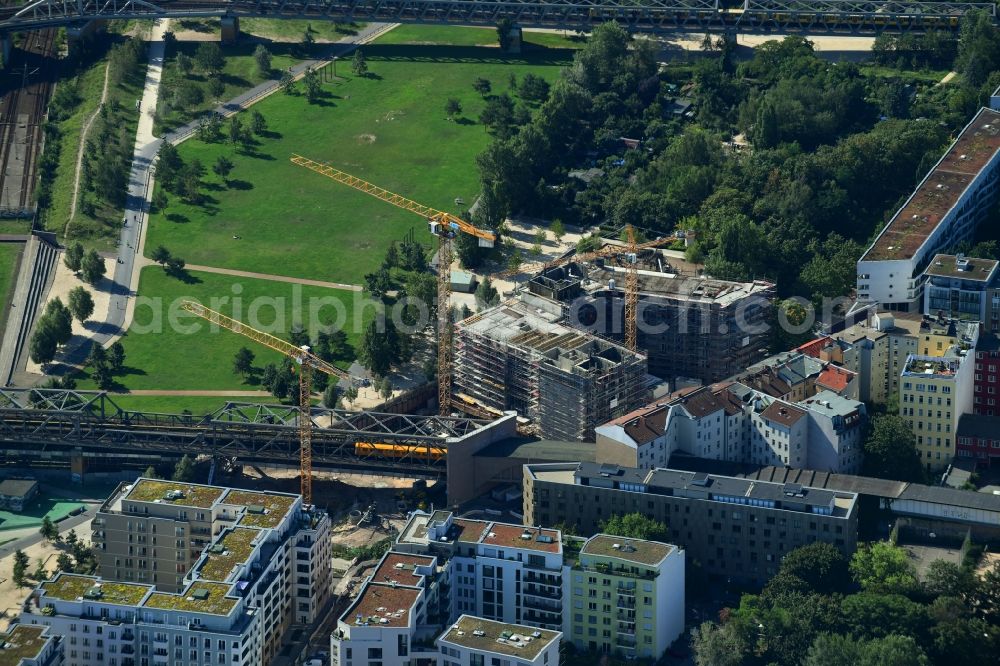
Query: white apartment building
<point>944,210</point>
<point>474,641</point>
<point>24,645</point>
<point>264,565</point>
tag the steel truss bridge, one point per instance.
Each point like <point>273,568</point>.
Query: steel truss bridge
<point>52,422</point>
<point>807,16</point>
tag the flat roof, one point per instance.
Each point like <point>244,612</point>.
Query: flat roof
<point>22,641</point>
<point>163,492</point>
<point>469,531</point>
<point>979,426</point>
<point>230,549</point>
<point>783,413</point>
<point>382,605</point>
<point>16,487</point>
<point>833,404</point>
<point>544,449</point>
<point>399,568</point>
<point>966,268</point>
<point>639,551</point>
<point>275,506</point>
<point>517,536</point>
<point>194,599</point>
<point>939,191</point>
<point>931,367</point>
<point>512,640</point>
<point>967,499</point>
<point>73,587</point>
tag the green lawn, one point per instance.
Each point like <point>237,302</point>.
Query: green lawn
<point>191,355</point>
<point>196,405</point>
<point>292,30</point>
<point>389,128</point>
<point>10,255</point>
<point>239,74</point>
<point>919,76</point>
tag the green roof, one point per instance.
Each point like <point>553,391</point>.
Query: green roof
<point>275,507</point>
<point>215,604</point>
<point>69,587</point>
<point>231,548</point>
<point>22,641</point>
<point>174,492</point>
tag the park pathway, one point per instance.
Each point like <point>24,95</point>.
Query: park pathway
<point>198,393</point>
<point>83,144</point>
<point>274,278</point>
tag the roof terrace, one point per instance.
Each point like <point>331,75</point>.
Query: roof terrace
<point>528,538</point>
<point>71,587</point>
<point>382,605</point>
<point>638,551</point>
<point>174,492</point>
<point>231,549</point>
<point>513,640</point>
<point>263,509</point>
<point>200,597</point>
<point>931,366</point>
<point>22,641</point>
<point>939,191</point>
<point>400,568</point>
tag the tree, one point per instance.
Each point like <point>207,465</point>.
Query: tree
<point>209,57</point>
<point>20,567</point>
<point>558,230</point>
<point>159,199</point>
<point>891,450</point>
<point>243,362</point>
<point>819,565</point>
<point>378,283</point>
<point>287,82</point>
<point>482,86</point>
<point>385,388</point>
<point>40,573</point>
<point>216,87</point>
<point>635,526</point>
<point>380,347</point>
<point>533,88</point>
<point>161,255</point>
<point>351,394</point>
<point>947,579</point>
<point>312,83</point>
<point>258,124</point>
<point>883,567</point>
<point>452,107</point>
<point>718,645</point>
<point>184,63</point>
<point>74,257</point>
<point>64,563</point>
<point>150,473</point>
<point>184,470</point>
<point>514,261</point>
<point>43,345</point>
<point>223,167</point>
<point>48,529</point>
<point>72,540</point>
<point>486,294</point>
<point>175,266</point>
<point>359,65</point>
<point>60,319</point>
<point>330,395</point>
<point>504,27</point>
<point>81,303</point>
<point>235,130</point>
<point>263,59</point>
<point>92,267</point>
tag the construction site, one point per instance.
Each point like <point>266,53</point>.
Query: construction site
<point>516,357</point>
<point>690,326</point>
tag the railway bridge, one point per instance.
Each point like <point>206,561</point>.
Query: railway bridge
<point>51,423</point>
<point>651,16</point>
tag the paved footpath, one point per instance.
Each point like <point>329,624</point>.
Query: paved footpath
<point>274,278</point>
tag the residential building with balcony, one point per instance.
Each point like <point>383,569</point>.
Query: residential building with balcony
<point>736,528</point>
<point>627,596</point>
<point>475,641</point>
<point>960,287</point>
<point>25,645</point>
<point>979,438</point>
<point>935,391</point>
<point>986,380</point>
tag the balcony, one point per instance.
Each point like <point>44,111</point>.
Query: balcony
<point>625,642</point>
<point>626,589</point>
<point>626,602</point>
<point>626,616</point>
<point>543,592</point>
<point>626,628</point>
<point>545,606</point>
<point>624,572</point>
<point>542,579</point>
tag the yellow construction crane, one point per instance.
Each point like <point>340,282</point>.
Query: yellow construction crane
<point>631,255</point>
<point>307,361</point>
<point>443,225</point>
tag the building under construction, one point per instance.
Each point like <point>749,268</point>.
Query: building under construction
<point>516,357</point>
<point>690,327</point>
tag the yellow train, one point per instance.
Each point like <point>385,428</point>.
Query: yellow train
<point>390,450</point>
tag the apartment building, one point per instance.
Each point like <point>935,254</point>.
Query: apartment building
<point>515,357</point>
<point>877,349</point>
<point>690,327</point>
<point>736,528</point>
<point>935,392</point>
<point>474,641</point>
<point>737,423</point>
<point>986,381</point>
<point>266,549</point>
<point>964,288</point>
<point>627,596</point>
<point>25,645</point>
<point>945,209</point>
<point>979,438</point>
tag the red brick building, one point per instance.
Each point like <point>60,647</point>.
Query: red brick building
<point>979,438</point>
<point>987,376</point>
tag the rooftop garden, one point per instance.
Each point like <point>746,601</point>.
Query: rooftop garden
<point>173,492</point>
<point>73,587</point>
<point>22,642</point>
<point>200,597</point>
<point>233,548</point>
<point>263,509</point>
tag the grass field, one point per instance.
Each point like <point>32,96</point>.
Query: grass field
<point>239,74</point>
<point>196,405</point>
<point>177,357</point>
<point>389,128</point>
<point>292,31</point>
<point>10,254</point>
<point>919,76</point>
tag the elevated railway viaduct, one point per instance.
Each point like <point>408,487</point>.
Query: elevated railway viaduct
<point>652,16</point>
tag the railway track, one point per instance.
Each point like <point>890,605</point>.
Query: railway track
<point>27,89</point>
